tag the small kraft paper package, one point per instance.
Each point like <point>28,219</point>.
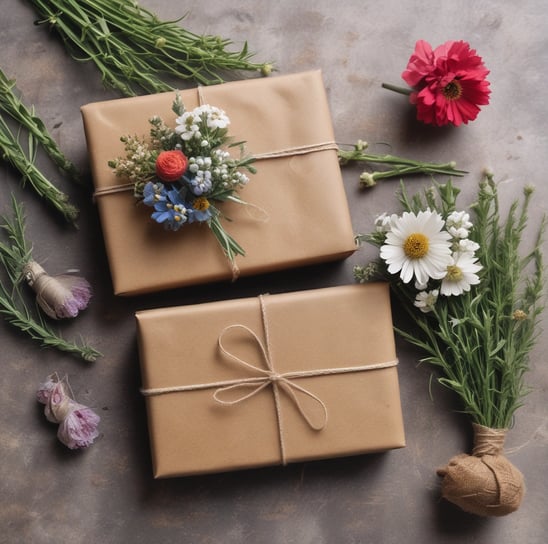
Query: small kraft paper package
<point>297,212</point>
<point>269,380</point>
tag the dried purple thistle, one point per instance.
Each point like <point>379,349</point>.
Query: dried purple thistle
<point>77,423</point>
<point>60,296</point>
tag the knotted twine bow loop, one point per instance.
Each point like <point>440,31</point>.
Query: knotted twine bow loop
<point>267,377</point>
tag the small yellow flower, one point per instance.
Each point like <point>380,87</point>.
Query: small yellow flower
<point>519,315</point>
<point>201,204</point>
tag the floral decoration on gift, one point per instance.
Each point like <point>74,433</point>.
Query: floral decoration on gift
<point>475,301</point>
<point>185,173</point>
<point>448,83</point>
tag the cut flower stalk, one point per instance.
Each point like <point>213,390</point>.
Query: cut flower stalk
<point>135,51</point>
<point>12,105</point>
<point>13,153</point>
<point>397,166</point>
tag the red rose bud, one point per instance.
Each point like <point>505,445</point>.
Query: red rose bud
<point>171,165</point>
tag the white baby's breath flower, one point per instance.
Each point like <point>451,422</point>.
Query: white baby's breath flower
<point>461,275</point>
<point>416,246</point>
<point>383,222</point>
<point>426,300</point>
<point>458,224</point>
<point>467,245</point>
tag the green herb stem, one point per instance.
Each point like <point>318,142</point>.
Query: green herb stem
<point>135,51</point>
<point>12,152</point>
<point>12,105</point>
<point>398,166</point>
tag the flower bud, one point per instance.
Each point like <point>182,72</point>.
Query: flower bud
<point>60,296</point>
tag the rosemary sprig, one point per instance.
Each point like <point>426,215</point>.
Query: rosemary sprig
<point>12,105</point>
<point>135,51</point>
<point>13,257</point>
<point>400,166</point>
<point>12,152</point>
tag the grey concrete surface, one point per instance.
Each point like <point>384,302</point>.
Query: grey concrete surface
<point>106,494</point>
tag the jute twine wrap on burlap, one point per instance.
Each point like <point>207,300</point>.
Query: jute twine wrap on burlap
<point>484,483</point>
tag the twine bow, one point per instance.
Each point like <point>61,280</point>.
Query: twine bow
<point>269,377</point>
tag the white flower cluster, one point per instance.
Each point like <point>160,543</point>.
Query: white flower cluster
<point>214,171</point>
<point>191,124</point>
<point>436,253</point>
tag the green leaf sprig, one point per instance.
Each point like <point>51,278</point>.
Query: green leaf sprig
<point>13,106</point>
<point>13,256</point>
<point>135,51</point>
<point>398,166</point>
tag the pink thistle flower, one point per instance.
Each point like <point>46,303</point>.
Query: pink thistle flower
<point>60,296</point>
<point>77,423</point>
<point>449,83</point>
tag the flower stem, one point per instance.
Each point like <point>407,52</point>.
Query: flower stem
<point>11,104</point>
<point>397,88</point>
<point>401,166</point>
<point>12,152</point>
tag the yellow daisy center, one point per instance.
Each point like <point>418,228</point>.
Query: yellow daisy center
<point>201,204</point>
<point>453,90</point>
<point>416,245</point>
<point>454,273</point>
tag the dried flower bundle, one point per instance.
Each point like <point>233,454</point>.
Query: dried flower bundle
<point>135,51</point>
<point>59,297</point>
<point>77,423</point>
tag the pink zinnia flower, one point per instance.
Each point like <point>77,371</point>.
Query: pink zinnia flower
<point>449,83</point>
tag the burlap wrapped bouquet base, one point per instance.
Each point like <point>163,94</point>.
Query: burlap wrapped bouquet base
<point>485,483</point>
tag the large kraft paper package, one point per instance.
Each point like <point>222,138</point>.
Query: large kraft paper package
<point>270,380</point>
<point>298,215</point>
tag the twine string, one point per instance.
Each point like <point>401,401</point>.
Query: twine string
<point>487,441</point>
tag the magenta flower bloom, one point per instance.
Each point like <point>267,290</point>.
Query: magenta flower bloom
<point>77,423</point>
<point>449,83</point>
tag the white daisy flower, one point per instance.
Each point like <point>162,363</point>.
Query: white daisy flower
<point>461,274</point>
<point>426,300</point>
<point>417,246</point>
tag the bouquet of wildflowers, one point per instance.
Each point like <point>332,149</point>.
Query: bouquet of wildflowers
<point>185,172</point>
<point>476,303</point>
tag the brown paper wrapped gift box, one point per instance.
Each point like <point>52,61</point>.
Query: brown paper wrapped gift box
<point>302,194</point>
<point>329,349</point>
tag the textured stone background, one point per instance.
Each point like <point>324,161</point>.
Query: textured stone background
<point>106,494</point>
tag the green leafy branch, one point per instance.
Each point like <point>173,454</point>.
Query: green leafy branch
<point>135,51</point>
